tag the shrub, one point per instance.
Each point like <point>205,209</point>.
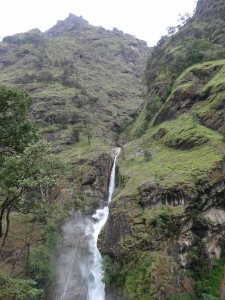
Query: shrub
<point>18,288</point>
<point>112,271</point>
<point>147,155</point>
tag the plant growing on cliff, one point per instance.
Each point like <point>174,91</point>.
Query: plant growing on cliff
<point>147,155</point>
<point>112,271</point>
<point>208,283</point>
<point>195,52</point>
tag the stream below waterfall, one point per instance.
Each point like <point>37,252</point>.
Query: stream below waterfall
<point>79,267</point>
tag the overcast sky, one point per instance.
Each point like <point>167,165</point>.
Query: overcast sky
<point>146,19</point>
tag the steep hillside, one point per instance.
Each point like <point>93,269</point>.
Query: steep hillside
<point>78,75</point>
<point>165,234</point>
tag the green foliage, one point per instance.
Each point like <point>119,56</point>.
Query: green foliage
<point>164,220</point>
<point>40,265</point>
<point>33,168</point>
<point>167,223</point>
<point>138,279</point>
<point>147,155</point>
<point>185,296</point>
<point>113,273</point>
<point>81,200</point>
<point>141,129</point>
<point>191,296</point>
<point>18,289</point>
<point>76,131</point>
<point>208,284</point>
<point>16,130</point>
<point>153,107</point>
<point>209,297</point>
<point>195,51</point>
<point>28,171</point>
<point>207,280</point>
<point>25,177</point>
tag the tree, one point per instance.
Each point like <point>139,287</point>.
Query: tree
<point>147,155</point>
<point>76,131</point>
<point>184,19</point>
<point>27,170</point>
<point>16,130</point>
<point>20,289</point>
<point>26,180</point>
<point>195,52</point>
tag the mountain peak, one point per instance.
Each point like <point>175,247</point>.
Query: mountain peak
<point>209,10</point>
<point>70,24</point>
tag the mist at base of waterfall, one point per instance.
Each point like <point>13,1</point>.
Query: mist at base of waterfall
<point>79,266</point>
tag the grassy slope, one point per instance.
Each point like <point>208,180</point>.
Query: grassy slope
<point>188,150</point>
<point>183,151</point>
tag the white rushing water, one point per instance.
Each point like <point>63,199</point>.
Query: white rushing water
<point>96,288</point>
<point>79,266</point>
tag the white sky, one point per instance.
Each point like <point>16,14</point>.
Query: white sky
<point>146,19</point>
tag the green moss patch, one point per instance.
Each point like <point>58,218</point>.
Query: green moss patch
<point>185,153</point>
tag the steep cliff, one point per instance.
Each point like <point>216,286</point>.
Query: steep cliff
<point>166,223</point>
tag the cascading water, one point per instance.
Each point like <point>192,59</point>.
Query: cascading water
<point>79,266</point>
<point>96,287</point>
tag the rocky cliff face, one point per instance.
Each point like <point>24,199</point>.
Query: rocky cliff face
<point>166,223</point>
<point>95,181</point>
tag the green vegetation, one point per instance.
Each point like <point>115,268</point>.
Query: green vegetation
<point>71,84</point>
<point>170,170</point>
<point>19,289</point>
<point>165,219</point>
<point>208,284</point>
<point>161,198</point>
<point>28,175</point>
<point>139,277</point>
<point>112,271</point>
<point>149,277</point>
<point>195,52</point>
<point>172,166</point>
<point>137,281</point>
<point>27,170</point>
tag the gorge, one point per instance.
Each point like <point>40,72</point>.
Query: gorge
<point>164,235</point>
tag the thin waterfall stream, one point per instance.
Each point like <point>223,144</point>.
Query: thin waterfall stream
<point>79,267</point>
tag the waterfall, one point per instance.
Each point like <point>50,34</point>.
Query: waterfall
<point>96,287</point>
<point>79,268</point>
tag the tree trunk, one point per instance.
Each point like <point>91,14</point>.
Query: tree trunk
<point>1,219</point>
<point>7,227</point>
